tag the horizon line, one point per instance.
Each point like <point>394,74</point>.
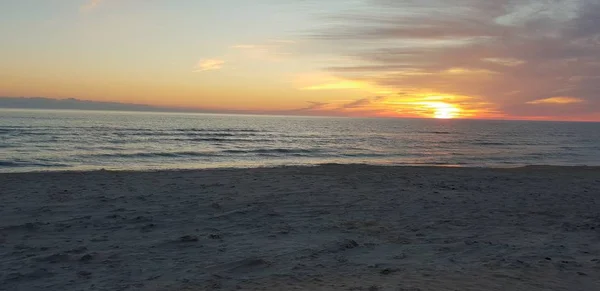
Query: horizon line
<point>275,114</point>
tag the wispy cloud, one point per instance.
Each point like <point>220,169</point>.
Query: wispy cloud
<point>338,85</point>
<point>90,5</point>
<point>273,50</point>
<point>502,53</point>
<point>504,61</point>
<point>283,41</point>
<point>360,107</point>
<point>245,46</point>
<point>404,105</point>
<point>557,100</point>
<point>209,65</point>
<point>363,102</point>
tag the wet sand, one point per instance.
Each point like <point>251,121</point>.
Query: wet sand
<point>331,227</point>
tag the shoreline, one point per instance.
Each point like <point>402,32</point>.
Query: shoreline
<point>330,227</point>
<point>276,166</point>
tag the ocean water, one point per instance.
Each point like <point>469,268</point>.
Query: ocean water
<point>34,140</point>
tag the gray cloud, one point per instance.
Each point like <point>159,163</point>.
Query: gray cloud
<point>361,107</point>
<point>506,52</point>
<point>361,103</point>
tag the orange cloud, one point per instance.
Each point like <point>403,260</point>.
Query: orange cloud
<point>465,71</point>
<point>440,106</point>
<point>339,85</point>
<point>509,62</point>
<point>326,82</point>
<point>557,100</point>
<point>209,65</point>
<point>415,104</point>
<point>502,55</point>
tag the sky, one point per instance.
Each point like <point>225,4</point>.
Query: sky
<point>501,59</point>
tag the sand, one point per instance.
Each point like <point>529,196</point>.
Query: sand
<point>331,227</point>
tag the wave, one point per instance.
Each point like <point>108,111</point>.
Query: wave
<point>190,134</point>
<point>437,132</point>
<point>221,134</point>
<point>274,151</point>
<point>490,143</point>
<point>217,139</point>
<point>218,130</point>
<point>21,164</point>
<point>222,153</point>
<point>25,132</point>
<point>114,129</point>
<point>365,155</point>
<point>129,131</point>
<point>155,154</point>
<point>437,163</point>
<point>191,139</point>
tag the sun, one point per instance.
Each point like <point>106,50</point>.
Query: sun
<point>442,110</point>
<point>433,106</point>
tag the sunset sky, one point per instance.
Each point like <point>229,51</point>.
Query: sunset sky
<point>512,59</point>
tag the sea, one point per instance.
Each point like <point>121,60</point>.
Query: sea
<point>47,140</point>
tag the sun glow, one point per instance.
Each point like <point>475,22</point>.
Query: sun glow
<point>438,106</point>
<point>442,110</point>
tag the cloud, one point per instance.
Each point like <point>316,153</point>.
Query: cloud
<point>338,85</point>
<point>403,105</point>
<point>557,100</point>
<point>90,5</point>
<point>326,82</point>
<point>360,103</point>
<point>504,61</point>
<point>502,53</point>
<point>283,41</point>
<point>360,107</point>
<point>209,65</point>
<point>244,46</point>
<point>314,106</point>
<point>273,50</point>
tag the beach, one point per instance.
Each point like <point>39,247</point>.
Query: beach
<point>327,227</point>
